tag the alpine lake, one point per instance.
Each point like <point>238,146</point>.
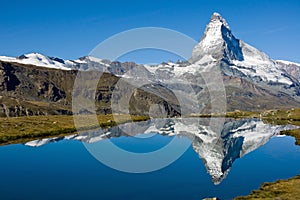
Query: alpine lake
<point>181,159</point>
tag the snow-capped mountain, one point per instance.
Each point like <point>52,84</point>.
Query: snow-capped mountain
<point>217,149</point>
<point>85,63</point>
<point>249,75</point>
<point>218,44</point>
<point>39,60</point>
<point>252,80</point>
<point>291,68</point>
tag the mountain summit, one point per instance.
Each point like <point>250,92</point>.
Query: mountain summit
<point>238,58</point>
<point>252,80</point>
<point>218,41</point>
<point>218,18</point>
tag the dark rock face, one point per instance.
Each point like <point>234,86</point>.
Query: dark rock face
<point>232,48</point>
<point>166,103</point>
<point>27,90</point>
<point>8,81</point>
<point>58,60</point>
<point>36,83</point>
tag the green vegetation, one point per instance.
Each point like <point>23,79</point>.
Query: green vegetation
<point>283,117</point>
<point>294,133</point>
<point>281,189</point>
<point>23,129</point>
<point>242,114</point>
<point>292,114</point>
<point>235,114</point>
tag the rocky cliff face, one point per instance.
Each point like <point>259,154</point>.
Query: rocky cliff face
<point>290,67</point>
<point>31,90</point>
<point>27,90</point>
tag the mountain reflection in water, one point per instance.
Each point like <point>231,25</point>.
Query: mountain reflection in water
<point>217,149</point>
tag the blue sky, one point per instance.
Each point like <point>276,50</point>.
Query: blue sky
<point>70,29</point>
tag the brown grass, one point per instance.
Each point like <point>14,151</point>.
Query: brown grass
<point>281,189</point>
<point>23,129</point>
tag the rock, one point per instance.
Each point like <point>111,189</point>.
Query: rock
<point>214,198</point>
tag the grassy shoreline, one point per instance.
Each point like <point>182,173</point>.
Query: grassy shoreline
<point>24,129</point>
<point>284,117</point>
<point>282,189</point>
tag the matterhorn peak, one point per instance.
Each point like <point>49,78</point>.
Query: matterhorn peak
<point>218,42</point>
<point>216,17</point>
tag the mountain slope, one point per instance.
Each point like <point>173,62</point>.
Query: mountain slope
<point>37,59</point>
<point>219,43</point>
<point>27,90</point>
<point>290,68</point>
<point>252,80</point>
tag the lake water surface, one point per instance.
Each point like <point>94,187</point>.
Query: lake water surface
<point>244,155</point>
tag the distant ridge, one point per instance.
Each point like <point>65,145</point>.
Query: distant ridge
<point>252,80</point>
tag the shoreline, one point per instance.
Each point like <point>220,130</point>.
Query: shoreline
<point>15,130</point>
<point>288,189</point>
<point>23,129</point>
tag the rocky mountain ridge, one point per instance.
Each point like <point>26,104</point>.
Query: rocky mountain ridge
<point>34,84</point>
